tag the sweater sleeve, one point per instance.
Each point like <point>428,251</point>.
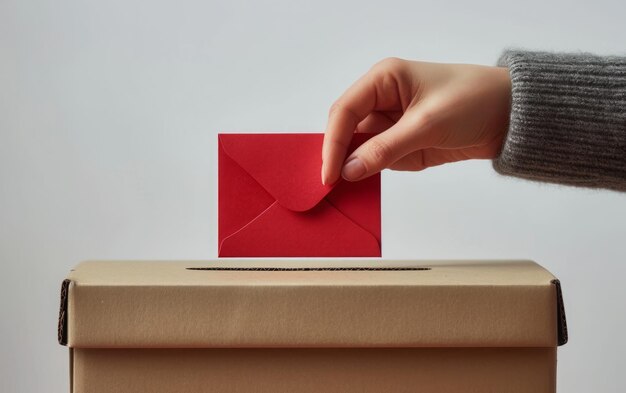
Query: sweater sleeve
<point>568,119</point>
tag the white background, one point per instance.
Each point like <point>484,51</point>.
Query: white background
<point>108,118</point>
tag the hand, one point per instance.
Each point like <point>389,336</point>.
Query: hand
<point>424,114</point>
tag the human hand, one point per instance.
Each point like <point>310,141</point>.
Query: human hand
<point>424,114</point>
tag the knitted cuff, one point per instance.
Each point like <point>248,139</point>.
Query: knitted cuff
<point>568,119</point>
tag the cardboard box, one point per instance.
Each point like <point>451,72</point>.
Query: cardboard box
<point>305,326</point>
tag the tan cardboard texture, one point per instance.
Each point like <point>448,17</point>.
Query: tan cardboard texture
<point>271,325</point>
<point>168,305</point>
<point>325,370</point>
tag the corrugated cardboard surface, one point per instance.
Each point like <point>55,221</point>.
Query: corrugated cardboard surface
<point>127,304</point>
<point>309,326</point>
<point>428,370</point>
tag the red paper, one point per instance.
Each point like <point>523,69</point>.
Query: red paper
<point>272,202</point>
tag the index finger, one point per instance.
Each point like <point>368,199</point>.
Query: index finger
<point>344,116</point>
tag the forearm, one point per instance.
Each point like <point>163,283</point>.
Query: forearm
<point>568,119</point>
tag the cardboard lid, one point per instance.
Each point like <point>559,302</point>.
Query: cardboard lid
<point>305,303</point>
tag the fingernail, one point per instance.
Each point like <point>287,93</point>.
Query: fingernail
<point>353,169</point>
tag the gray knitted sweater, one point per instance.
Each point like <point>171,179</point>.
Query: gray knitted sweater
<point>568,119</point>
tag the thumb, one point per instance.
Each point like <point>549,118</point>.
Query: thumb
<point>383,150</point>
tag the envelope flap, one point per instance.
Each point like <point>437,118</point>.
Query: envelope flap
<point>288,166</point>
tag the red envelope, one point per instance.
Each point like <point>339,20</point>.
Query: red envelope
<point>272,202</point>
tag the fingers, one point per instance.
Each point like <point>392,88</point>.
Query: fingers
<point>344,116</point>
<point>411,162</point>
<point>426,158</point>
<point>431,157</point>
<point>384,149</point>
<point>375,123</point>
<point>378,89</point>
